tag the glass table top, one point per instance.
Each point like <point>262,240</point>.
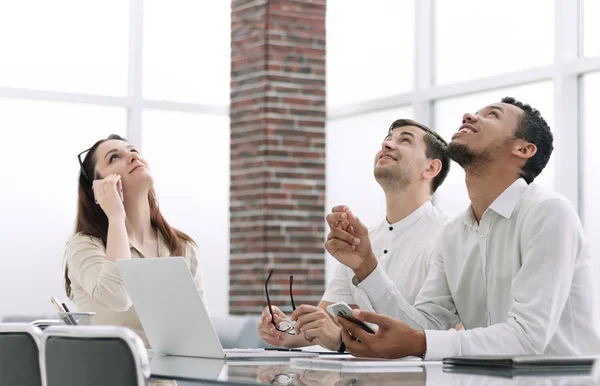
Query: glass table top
<point>182,371</point>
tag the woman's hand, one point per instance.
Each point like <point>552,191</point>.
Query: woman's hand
<point>108,193</point>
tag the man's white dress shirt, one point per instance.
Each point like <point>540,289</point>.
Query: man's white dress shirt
<point>403,250</point>
<point>520,281</point>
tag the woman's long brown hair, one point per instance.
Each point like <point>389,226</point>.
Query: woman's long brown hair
<point>92,221</point>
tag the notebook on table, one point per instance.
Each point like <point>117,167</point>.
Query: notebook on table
<point>509,372</point>
<point>522,362</point>
<point>513,366</point>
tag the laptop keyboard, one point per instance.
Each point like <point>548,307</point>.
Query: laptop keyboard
<point>244,350</point>
<point>262,353</point>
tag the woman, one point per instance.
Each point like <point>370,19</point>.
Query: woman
<point>117,218</point>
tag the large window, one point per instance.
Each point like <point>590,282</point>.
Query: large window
<point>467,54</point>
<point>72,72</point>
<point>186,43</point>
<point>157,71</point>
<point>65,45</point>
<point>591,28</point>
<point>38,167</point>
<point>474,38</point>
<point>189,156</point>
<point>369,49</point>
<point>590,163</point>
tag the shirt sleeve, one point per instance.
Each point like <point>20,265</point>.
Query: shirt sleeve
<point>99,277</point>
<point>196,271</point>
<point>338,289</point>
<point>434,307</point>
<point>551,241</point>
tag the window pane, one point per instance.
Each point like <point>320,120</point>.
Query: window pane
<point>590,164</point>
<point>480,38</point>
<point>369,49</point>
<point>591,28</point>
<point>65,45</point>
<point>187,50</point>
<point>351,146</point>
<point>189,156</point>
<point>452,195</point>
<point>39,170</point>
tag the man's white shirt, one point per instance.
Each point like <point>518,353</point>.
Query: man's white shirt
<point>520,281</point>
<point>403,250</point>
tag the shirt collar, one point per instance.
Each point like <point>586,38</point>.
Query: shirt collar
<point>507,201</point>
<point>504,204</point>
<point>411,218</point>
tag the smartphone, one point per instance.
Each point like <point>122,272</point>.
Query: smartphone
<point>343,310</point>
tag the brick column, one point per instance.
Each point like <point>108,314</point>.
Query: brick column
<point>277,152</point>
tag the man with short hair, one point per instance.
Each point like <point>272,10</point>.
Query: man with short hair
<point>412,163</point>
<point>514,268</point>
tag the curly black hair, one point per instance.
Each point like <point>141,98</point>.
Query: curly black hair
<point>533,128</point>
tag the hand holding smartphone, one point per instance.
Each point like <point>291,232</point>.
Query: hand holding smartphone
<point>108,193</point>
<point>343,310</point>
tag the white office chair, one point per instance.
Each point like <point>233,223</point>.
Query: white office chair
<point>19,354</point>
<point>93,355</point>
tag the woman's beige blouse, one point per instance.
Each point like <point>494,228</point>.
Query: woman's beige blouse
<point>97,286</point>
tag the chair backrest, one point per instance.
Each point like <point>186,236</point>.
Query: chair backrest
<point>19,354</point>
<point>93,355</point>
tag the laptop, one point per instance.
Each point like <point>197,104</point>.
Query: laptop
<point>173,314</point>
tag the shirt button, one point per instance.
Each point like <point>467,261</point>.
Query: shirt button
<point>391,228</point>
<point>385,251</point>
<point>482,237</point>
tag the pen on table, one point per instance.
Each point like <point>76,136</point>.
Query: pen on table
<point>300,350</point>
<point>71,318</point>
<point>60,308</point>
<point>282,349</point>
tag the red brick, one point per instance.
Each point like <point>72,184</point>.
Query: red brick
<point>277,116</point>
